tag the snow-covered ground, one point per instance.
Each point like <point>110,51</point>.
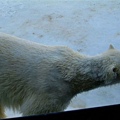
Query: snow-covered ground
<point>87,26</point>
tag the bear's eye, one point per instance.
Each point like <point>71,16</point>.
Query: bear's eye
<point>115,70</point>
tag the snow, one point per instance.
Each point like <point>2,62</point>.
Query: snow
<point>87,26</point>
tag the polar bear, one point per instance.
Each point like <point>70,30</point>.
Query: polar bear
<point>39,79</point>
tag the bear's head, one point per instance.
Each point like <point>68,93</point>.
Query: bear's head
<point>113,63</point>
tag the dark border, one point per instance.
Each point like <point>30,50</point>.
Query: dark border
<point>104,112</point>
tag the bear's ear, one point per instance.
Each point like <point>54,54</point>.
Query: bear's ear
<point>111,47</point>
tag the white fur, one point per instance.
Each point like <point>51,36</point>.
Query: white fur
<point>37,79</point>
